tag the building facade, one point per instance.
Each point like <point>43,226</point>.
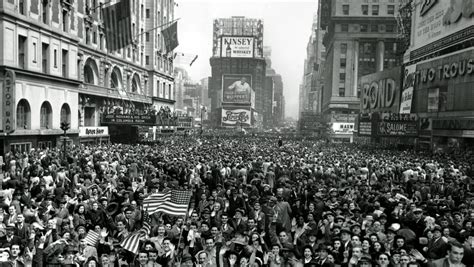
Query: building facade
<point>438,74</point>
<point>361,38</point>
<point>237,57</point>
<point>54,58</point>
<point>273,114</point>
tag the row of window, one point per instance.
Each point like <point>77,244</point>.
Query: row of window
<point>366,28</point>
<point>23,115</point>
<point>365,10</point>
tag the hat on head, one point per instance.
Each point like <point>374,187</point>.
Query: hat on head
<point>274,199</point>
<point>241,211</point>
<point>437,228</point>
<point>240,240</point>
<point>346,230</point>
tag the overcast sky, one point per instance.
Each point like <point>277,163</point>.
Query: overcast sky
<point>287,27</point>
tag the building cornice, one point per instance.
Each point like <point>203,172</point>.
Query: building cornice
<point>42,75</point>
<point>160,99</point>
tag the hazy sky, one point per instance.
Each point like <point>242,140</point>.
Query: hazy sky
<point>287,26</point>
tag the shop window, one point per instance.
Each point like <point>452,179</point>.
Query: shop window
<point>23,114</point>
<point>45,144</point>
<point>364,27</point>
<point>20,147</point>
<point>46,114</point>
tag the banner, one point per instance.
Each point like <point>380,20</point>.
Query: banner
<point>408,88</point>
<point>237,46</point>
<point>343,127</point>
<point>8,95</point>
<point>170,35</point>
<point>233,117</point>
<point>237,88</point>
<point>117,24</point>
<point>139,120</point>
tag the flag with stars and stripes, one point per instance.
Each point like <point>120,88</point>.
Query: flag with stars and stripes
<point>132,242</point>
<point>92,238</point>
<point>174,202</point>
<point>117,25</point>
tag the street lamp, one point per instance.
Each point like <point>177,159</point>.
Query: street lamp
<point>65,126</point>
<point>203,109</point>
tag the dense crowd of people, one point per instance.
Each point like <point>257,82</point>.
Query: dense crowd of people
<point>256,202</point>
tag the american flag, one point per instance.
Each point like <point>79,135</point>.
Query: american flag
<point>92,238</point>
<point>117,24</point>
<point>132,242</point>
<point>174,203</point>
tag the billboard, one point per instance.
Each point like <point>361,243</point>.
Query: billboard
<point>364,127</point>
<point>445,83</point>
<point>343,127</point>
<point>236,117</point>
<point>395,124</point>
<point>237,46</point>
<point>380,91</point>
<point>237,88</point>
<point>408,87</point>
<point>439,24</point>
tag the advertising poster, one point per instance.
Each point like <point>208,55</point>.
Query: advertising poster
<point>380,91</point>
<point>408,88</point>
<point>433,100</point>
<point>237,88</point>
<point>236,117</point>
<point>237,46</point>
<point>365,125</point>
<point>400,125</point>
<point>440,23</point>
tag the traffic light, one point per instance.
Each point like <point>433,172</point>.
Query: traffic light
<point>65,126</point>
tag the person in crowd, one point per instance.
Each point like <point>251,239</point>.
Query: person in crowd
<point>304,203</point>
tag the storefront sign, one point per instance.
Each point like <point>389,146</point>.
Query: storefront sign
<point>140,120</point>
<point>232,117</point>
<point>237,46</point>
<point>93,131</point>
<point>9,102</point>
<point>380,91</point>
<point>445,84</point>
<point>439,24</point>
<point>237,88</point>
<point>408,87</point>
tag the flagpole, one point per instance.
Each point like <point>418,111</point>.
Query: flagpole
<point>181,230</point>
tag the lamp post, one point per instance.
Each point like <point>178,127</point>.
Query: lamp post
<point>203,109</point>
<point>64,126</point>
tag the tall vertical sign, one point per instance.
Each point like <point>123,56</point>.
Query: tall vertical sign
<point>8,101</point>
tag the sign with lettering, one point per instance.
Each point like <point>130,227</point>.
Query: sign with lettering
<point>9,101</point>
<point>139,120</point>
<point>408,87</point>
<point>232,117</point>
<point>342,127</point>
<point>441,20</point>
<point>237,46</point>
<point>395,124</point>
<point>445,83</point>
<point>364,124</point>
<point>380,91</point>
<point>93,131</point>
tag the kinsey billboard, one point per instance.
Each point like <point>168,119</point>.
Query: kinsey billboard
<point>237,46</point>
<point>236,116</point>
<point>441,23</point>
<point>237,88</point>
<point>408,87</point>
<point>380,91</point>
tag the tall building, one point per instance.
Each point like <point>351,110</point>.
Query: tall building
<point>236,87</point>
<point>273,111</point>
<point>360,38</point>
<point>53,57</point>
<point>438,77</point>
